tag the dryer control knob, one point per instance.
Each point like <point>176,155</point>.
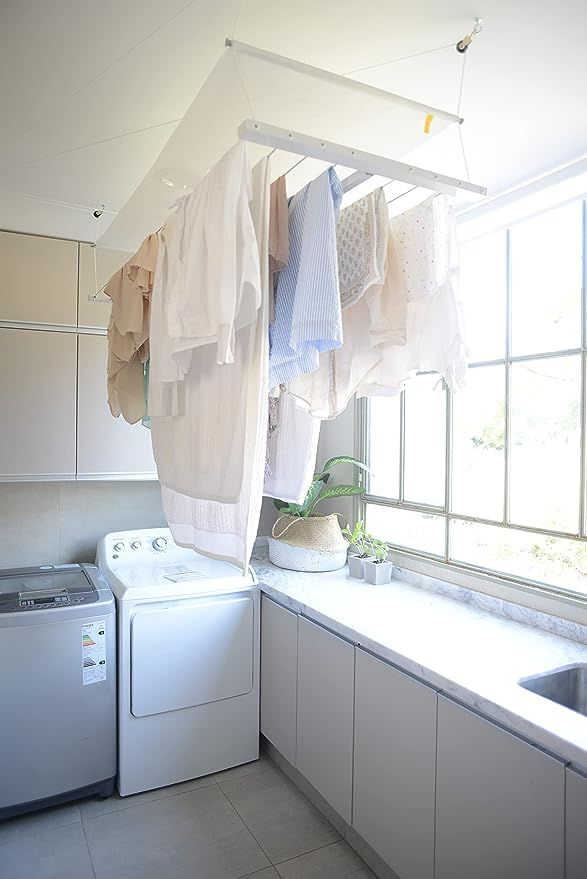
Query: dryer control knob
<point>119,546</point>
<point>136,544</point>
<point>159,544</point>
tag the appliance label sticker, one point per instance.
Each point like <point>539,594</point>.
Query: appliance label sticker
<point>93,652</point>
<point>179,574</point>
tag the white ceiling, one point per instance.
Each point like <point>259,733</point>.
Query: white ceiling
<point>78,74</point>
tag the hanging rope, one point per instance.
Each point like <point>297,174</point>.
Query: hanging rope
<point>460,125</point>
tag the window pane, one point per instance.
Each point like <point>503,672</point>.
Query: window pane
<point>483,284</point>
<point>419,531</point>
<point>425,438</point>
<point>551,560</point>
<point>384,429</point>
<point>545,420</point>
<point>478,444</point>
<point>546,281</point>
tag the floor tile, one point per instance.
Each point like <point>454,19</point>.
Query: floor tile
<point>196,834</point>
<point>337,861</point>
<point>267,873</point>
<point>48,855</point>
<point>95,806</point>
<point>25,826</point>
<point>280,817</point>
<point>245,769</point>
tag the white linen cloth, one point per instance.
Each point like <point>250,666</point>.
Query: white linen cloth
<point>224,530</point>
<point>291,451</point>
<point>198,397</point>
<point>428,258</point>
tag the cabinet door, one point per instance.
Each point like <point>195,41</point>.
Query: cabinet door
<point>38,279</point>
<point>96,267</point>
<point>107,447</point>
<point>279,676</point>
<point>576,826</point>
<point>37,401</point>
<point>395,764</point>
<point>325,714</point>
<point>499,802</point>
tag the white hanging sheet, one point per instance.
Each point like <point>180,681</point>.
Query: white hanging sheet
<point>291,451</point>
<point>227,530</point>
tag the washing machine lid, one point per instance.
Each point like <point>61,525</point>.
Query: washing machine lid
<point>29,589</point>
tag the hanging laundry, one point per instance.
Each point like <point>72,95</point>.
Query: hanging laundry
<point>307,306</point>
<point>375,312</point>
<point>128,332</point>
<point>291,451</point>
<point>428,256</point>
<point>228,530</point>
<point>199,447</point>
<point>278,237</point>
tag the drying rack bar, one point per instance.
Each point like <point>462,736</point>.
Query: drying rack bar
<point>341,81</point>
<point>367,164</point>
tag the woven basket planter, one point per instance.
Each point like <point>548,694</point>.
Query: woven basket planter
<point>314,543</point>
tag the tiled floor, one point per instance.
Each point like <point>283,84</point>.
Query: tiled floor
<point>246,822</point>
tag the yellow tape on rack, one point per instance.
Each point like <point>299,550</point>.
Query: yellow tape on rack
<point>428,123</point>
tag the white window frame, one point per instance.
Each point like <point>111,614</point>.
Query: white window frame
<point>542,596</point>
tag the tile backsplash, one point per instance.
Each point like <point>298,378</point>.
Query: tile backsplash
<point>60,522</point>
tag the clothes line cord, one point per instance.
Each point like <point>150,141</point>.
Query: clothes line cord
<point>397,60</point>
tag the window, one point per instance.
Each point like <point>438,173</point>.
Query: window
<point>493,478</point>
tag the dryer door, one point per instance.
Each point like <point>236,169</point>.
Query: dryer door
<point>190,653</point>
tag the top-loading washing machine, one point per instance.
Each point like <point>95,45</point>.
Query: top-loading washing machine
<point>188,642</point>
<point>57,686</point>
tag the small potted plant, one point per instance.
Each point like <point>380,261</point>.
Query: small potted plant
<point>377,570</point>
<point>358,538</point>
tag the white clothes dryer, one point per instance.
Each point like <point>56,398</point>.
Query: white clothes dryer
<point>188,641</point>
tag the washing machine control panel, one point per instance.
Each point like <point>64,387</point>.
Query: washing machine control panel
<point>49,586</point>
<point>129,546</point>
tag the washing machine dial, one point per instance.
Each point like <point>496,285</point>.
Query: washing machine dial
<point>159,544</point>
<point>136,544</point>
<point>119,546</point>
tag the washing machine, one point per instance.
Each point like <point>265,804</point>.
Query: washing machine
<point>188,648</point>
<point>57,686</point>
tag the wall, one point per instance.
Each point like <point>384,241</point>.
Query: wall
<point>61,522</point>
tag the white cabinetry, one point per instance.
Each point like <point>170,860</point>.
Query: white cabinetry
<point>37,402</point>
<point>279,677</point>
<point>96,267</point>
<point>107,447</point>
<point>499,802</point>
<point>325,714</point>
<point>38,279</point>
<point>576,826</point>
<point>394,766</point>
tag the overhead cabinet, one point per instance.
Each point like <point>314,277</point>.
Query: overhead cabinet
<point>279,676</point>
<point>107,447</point>
<point>37,401</point>
<point>499,802</point>
<point>38,279</point>
<point>395,766</point>
<point>325,714</point>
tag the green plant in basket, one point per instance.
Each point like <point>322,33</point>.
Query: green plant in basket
<point>320,490</point>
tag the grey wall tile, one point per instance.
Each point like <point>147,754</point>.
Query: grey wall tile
<point>29,524</point>
<point>88,510</point>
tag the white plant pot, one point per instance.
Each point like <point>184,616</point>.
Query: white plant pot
<point>356,567</point>
<point>377,572</point>
<point>297,558</point>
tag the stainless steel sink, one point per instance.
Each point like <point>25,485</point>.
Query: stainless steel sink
<point>567,686</point>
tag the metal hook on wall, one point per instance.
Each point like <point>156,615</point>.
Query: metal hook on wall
<point>464,44</point>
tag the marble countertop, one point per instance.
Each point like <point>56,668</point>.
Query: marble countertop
<point>470,654</point>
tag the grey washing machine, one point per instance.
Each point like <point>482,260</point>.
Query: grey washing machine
<point>57,686</point>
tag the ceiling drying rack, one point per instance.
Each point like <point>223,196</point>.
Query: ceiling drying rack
<point>365,164</point>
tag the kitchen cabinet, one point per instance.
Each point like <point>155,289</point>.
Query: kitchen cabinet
<point>96,267</point>
<point>107,447</point>
<point>325,714</point>
<point>395,766</point>
<point>279,676</point>
<point>576,825</point>
<point>499,802</point>
<point>37,401</point>
<point>38,279</point>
